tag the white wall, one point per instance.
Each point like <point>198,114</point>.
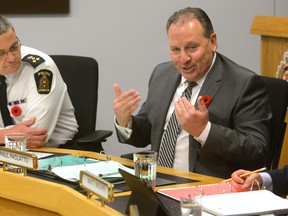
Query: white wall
<point>128,39</point>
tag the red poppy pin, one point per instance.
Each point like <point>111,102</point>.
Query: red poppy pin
<point>207,99</point>
<point>16,111</point>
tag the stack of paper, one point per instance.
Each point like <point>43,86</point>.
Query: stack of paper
<point>221,199</point>
<point>103,169</point>
<point>245,203</point>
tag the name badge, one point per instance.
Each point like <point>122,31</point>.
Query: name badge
<point>18,158</point>
<point>95,185</point>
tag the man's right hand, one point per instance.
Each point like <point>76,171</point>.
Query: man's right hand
<point>125,104</point>
<point>244,183</point>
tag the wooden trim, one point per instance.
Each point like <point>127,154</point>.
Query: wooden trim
<point>270,26</point>
<point>34,6</point>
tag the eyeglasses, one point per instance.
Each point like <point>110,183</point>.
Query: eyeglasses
<point>14,50</point>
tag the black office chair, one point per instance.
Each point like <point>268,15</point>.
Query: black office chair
<point>81,77</point>
<point>278,94</point>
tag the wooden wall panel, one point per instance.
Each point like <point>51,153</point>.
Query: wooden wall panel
<point>34,6</point>
<point>272,50</point>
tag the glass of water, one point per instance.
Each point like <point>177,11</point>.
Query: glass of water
<point>192,205</point>
<point>145,166</point>
<point>15,141</point>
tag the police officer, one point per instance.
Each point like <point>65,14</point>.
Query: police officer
<point>37,97</point>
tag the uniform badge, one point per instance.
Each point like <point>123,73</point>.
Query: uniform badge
<point>282,71</point>
<point>34,60</point>
<point>43,79</point>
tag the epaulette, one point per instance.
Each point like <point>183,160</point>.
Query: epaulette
<point>34,60</point>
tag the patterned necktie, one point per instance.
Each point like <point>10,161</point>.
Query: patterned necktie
<point>167,147</point>
<point>3,103</point>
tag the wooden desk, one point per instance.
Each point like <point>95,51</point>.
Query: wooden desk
<point>24,195</point>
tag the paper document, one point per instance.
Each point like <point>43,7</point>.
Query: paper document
<point>245,203</point>
<point>103,169</point>
<point>40,155</point>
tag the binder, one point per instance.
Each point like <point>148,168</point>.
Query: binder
<point>208,189</point>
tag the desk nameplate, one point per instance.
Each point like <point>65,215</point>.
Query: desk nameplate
<point>95,185</point>
<point>18,158</point>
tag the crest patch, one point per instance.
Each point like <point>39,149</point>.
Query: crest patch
<point>282,71</point>
<point>34,60</point>
<point>43,79</point>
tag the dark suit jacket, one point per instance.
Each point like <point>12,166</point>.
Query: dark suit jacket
<point>280,180</point>
<point>239,114</point>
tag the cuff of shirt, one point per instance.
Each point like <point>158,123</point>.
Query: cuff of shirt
<point>267,181</point>
<point>203,136</point>
<point>124,132</point>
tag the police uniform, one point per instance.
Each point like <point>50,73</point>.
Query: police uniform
<point>37,89</point>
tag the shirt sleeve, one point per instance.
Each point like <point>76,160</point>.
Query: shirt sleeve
<point>267,181</point>
<point>45,107</point>
<point>124,132</point>
<point>203,136</point>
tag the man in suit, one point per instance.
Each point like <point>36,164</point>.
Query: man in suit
<point>274,180</point>
<point>226,123</point>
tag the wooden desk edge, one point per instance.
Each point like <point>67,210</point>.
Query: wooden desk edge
<point>50,196</point>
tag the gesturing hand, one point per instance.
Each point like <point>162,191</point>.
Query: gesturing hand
<point>125,104</point>
<point>193,121</point>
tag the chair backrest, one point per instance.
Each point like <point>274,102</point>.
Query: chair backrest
<point>81,77</point>
<point>278,94</point>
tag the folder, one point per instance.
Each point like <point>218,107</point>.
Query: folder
<point>208,189</point>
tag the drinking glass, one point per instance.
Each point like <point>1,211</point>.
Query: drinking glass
<point>145,166</point>
<point>15,141</point>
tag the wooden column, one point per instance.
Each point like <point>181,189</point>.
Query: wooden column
<point>274,56</point>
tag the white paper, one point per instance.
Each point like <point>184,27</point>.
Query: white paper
<point>102,169</point>
<point>244,203</point>
<point>40,154</point>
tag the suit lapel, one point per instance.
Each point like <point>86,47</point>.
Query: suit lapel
<point>213,81</point>
<point>209,87</point>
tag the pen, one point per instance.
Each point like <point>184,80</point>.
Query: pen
<point>248,173</point>
<point>108,174</point>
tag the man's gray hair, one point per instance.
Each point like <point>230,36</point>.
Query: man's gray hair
<point>5,25</point>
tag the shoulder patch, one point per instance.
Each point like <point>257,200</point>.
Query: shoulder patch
<point>43,80</point>
<point>34,60</point>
